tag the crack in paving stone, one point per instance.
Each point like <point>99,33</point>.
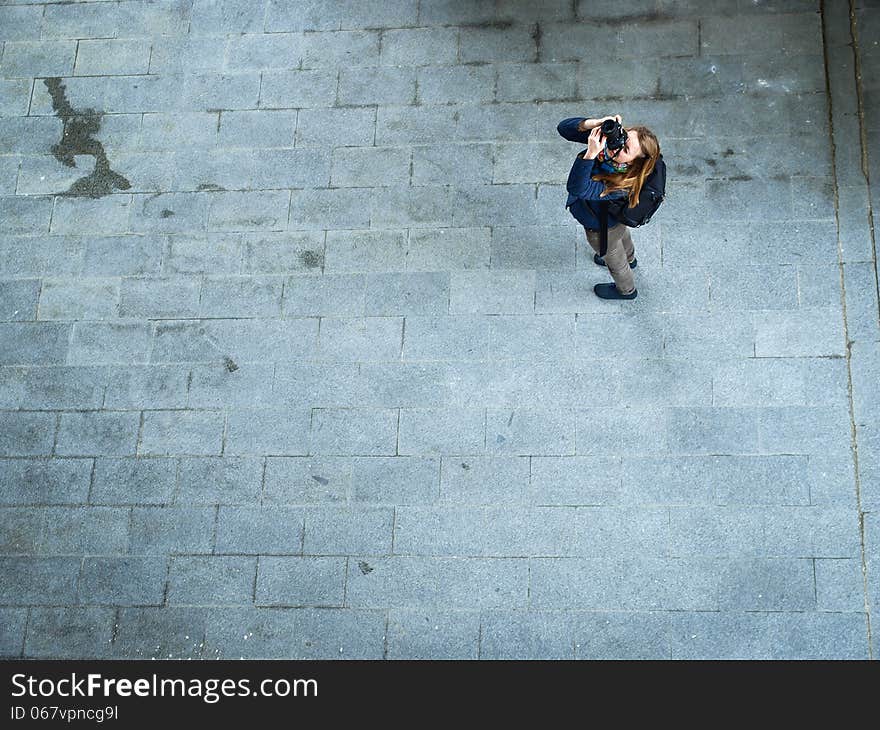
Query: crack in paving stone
<point>77,139</point>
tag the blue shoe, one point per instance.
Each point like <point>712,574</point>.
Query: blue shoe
<point>599,260</point>
<point>610,291</point>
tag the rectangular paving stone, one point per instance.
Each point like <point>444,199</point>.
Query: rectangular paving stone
<point>13,622</point>
<point>446,431</point>
<point>709,336</point>
<point>475,205</point>
<point>360,338</point>
<point>621,636</point>
<point>537,82</point>
<point>325,384</point>
<point>44,481</point>
<point>159,298</point>
<point>123,581</point>
<point>416,293</point>
<point>18,299</point>
<point>713,430</point>
<point>228,384</point>
<point>98,433</point>
<point>122,255</point>
<point>532,247</point>
<point>180,54</point>
<point>275,432</point>
<point>160,130</point>
<point>85,530</point>
<point>330,295</point>
<point>169,212</point>
<point>806,430</point>
<point>330,209</point>
<point>170,530</point>
<point>219,480</point>
<point>69,633</point>
<point>181,432</point>
<point>790,32</point>
<point>24,433</point>
<point>839,585</point>
<point>170,632</point>
<point>244,340</point>
<point>20,22</point>
<point>346,49</point>
<point>752,287</point>
<point>433,635</point>
<point>226,16</point>
<point>531,337</point>
<point>211,580</point>
<point>257,128</point>
<point>259,530</point>
<point>720,635</point>
<point>9,166</point>
<point>414,125</point>
<point>396,480</point>
<point>112,343</point>
<point>284,169</point>
<point>133,481</point>
<point>262,52</point>
<point>576,480</point>
<point>376,86</point>
<point>452,164</point>
<point>645,429</point>
<point>139,387</point>
<point>307,633</point>
<point>303,479</point>
<point>541,635</point>
<point>34,580</point>
<point>419,47</point>
<point>247,296</point>
<point>817,635</point>
<point>495,292</point>
<point>526,432</point>
<point>365,250</point>
<point>118,57</point>
<point>395,385</point>
<point>355,432</point>
<point>410,582</point>
<point>667,382</point>
<point>806,333</point>
<point>15,97</point>
<point>300,581</point>
<point>370,166</point>
<point>350,529</point>
<point>767,585</point>
<point>457,338</point>
<point>442,85</point>
<point>43,343</point>
<point>233,211</point>
<point>81,299</point>
<point>37,58</point>
<point>484,532</point>
<point>298,89</point>
<point>415,207</point>
<point>320,127</point>
<point>22,530</point>
<point>87,216</point>
<point>279,253</point>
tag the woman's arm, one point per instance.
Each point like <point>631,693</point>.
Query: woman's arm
<point>575,129</point>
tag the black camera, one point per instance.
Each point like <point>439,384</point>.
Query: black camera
<point>615,136</point>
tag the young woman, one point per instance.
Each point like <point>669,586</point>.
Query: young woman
<point>601,175</point>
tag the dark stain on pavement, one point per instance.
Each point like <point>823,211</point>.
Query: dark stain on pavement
<point>166,213</point>
<point>323,481</point>
<point>365,567</point>
<point>78,139</point>
<point>230,364</point>
<point>312,259</point>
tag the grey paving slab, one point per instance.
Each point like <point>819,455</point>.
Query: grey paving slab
<point>447,431</point>
<point>620,636</point>
<point>211,580</point>
<point>12,634</point>
<point>132,581</point>
<point>433,635</point>
<point>259,531</point>
<point>27,433</point>
<point>119,481</point>
<point>219,480</point>
<point>44,481</point>
<point>361,529</point>
<point>534,634</point>
<point>171,632</point>
<point>165,530</point>
<point>181,432</point>
<point>69,633</point>
<point>398,480</point>
<point>306,480</point>
<point>355,432</point>
<point>300,581</point>
<point>115,343</point>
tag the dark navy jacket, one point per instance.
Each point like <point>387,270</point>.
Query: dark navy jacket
<point>581,187</point>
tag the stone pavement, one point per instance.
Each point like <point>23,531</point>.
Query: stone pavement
<point>299,355</point>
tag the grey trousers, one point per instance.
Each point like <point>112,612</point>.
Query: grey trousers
<point>620,252</point>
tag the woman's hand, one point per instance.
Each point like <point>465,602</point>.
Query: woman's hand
<point>594,144</point>
<point>587,124</point>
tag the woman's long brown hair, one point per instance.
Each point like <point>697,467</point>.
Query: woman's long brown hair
<point>638,170</point>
